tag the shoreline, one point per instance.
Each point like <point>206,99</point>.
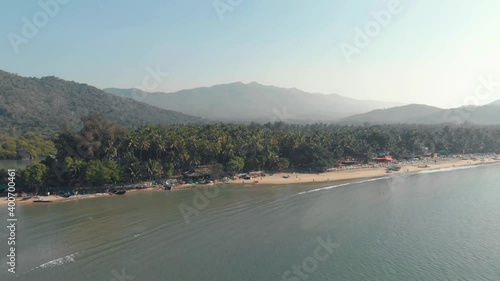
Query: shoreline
<point>295,178</point>
<point>360,173</point>
<point>56,198</point>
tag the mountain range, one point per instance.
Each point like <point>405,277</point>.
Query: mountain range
<point>48,102</point>
<point>239,102</point>
<point>259,103</point>
<point>423,114</point>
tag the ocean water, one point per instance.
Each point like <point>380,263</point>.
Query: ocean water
<point>429,226</point>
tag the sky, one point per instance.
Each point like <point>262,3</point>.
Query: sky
<point>422,51</point>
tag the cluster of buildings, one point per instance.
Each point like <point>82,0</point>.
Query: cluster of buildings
<point>385,157</point>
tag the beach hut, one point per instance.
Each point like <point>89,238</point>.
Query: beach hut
<point>347,161</point>
<point>384,159</point>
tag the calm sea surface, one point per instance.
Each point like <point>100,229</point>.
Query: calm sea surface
<point>428,226</point>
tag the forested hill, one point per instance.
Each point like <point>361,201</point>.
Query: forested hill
<point>401,114</point>
<point>255,102</point>
<point>43,104</point>
<point>424,114</point>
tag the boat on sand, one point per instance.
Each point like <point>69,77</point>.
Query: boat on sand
<point>117,192</point>
<point>41,200</point>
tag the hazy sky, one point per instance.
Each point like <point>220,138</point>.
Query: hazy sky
<point>430,51</point>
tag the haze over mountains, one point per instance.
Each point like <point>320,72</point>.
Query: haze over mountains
<point>255,102</point>
<point>259,103</point>
<point>48,102</point>
<point>423,114</point>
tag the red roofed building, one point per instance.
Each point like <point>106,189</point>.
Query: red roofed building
<point>384,159</point>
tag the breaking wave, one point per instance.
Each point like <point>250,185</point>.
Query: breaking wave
<point>342,184</point>
<point>58,262</point>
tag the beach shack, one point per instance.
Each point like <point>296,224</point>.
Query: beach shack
<point>199,174</point>
<point>195,177</point>
<point>408,157</point>
<point>384,159</point>
<point>431,155</point>
<point>347,161</point>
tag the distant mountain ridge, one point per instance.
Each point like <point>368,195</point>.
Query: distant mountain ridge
<point>45,103</point>
<point>254,102</point>
<point>48,102</point>
<point>423,114</point>
<point>401,114</point>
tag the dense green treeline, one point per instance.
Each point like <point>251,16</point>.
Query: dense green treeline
<point>103,153</point>
<point>25,145</point>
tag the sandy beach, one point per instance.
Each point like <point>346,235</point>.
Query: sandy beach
<point>55,198</point>
<point>297,178</point>
<point>348,174</point>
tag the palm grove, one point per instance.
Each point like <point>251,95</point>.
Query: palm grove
<point>104,153</point>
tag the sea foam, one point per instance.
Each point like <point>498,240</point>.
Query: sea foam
<point>58,262</point>
<point>342,184</point>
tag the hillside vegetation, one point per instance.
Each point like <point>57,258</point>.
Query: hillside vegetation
<point>45,104</point>
<point>424,114</point>
<point>27,145</point>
